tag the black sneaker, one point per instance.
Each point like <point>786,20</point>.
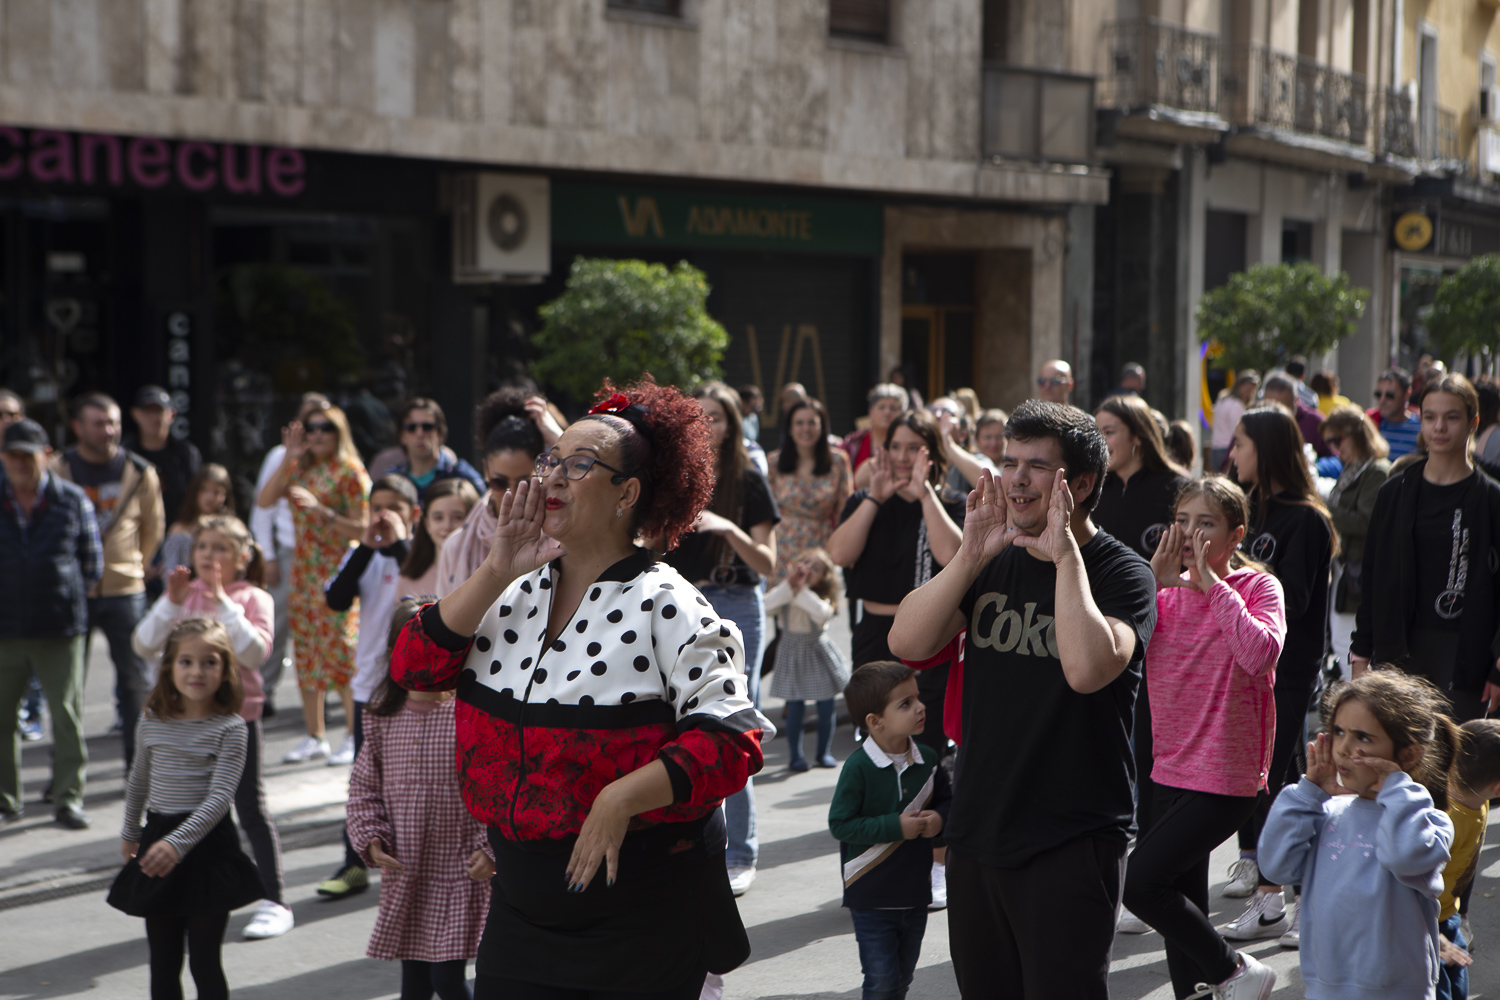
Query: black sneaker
<point>72,817</point>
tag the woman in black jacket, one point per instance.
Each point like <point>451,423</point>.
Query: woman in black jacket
<point>1363,452</point>
<point>1431,571</point>
<point>1292,534</point>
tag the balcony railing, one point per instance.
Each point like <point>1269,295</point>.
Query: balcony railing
<point>1296,94</point>
<point>1031,114</point>
<point>1439,134</point>
<point>1151,62</point>
<point>1398,125</point>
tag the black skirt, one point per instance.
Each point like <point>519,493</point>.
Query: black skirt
<point>669,916</point>
<point>214,877</point>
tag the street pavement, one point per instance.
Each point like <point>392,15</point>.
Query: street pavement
<point>58,938</point>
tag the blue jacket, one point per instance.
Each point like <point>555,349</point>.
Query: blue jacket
<point>50,564</point>
<point>1371,873</point>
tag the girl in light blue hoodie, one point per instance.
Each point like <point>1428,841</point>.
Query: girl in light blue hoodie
<point>1366,836</point>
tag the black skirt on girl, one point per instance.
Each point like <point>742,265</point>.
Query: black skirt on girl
<point>214,877</point>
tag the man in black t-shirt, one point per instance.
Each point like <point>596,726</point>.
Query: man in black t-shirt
<point>176,460</point>
<point>1058,615</point>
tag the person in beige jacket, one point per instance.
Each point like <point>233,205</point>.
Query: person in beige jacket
<point>127,501</point>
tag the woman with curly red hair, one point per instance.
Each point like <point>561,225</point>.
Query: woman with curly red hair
<point>602,715</point>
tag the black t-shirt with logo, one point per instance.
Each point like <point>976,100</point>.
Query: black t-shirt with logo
<point>102,482</point>
<point>1296,543</point>
<point>1138,512</point>
<point>1041,764</point>
<point>1440,539</point>
<point>699,554</point>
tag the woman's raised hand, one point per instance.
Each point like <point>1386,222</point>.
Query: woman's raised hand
<point>987,531</point>
<point>179,580</point>
<point>912,489</point>
<point>294,439</point>
<point>882,481</point>
<point>520,547</point>
<point>1166,563</point>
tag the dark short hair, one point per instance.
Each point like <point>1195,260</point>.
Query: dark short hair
<point>1295,368</point>
<point>97,400</point>
<point>423,403</point>
<point>397,484</point>
<point>1082,443</point>
<point>1400,376</point>
<point>1479,754</point>
<point>869,689</point>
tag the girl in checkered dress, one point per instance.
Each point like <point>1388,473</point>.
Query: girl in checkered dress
<point>407,816</point>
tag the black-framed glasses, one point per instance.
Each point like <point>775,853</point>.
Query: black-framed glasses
<point>320,428</point>
<point>1387,394</point>
<point>575,467</point>
<point>1053,382</point>
<point>426,428</point>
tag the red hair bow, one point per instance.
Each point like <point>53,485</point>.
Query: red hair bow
<point>617,403</point>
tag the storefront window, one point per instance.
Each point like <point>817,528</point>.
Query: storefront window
<point>1419,285</point>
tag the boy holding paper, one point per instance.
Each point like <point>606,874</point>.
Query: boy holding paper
<point>891,801</point>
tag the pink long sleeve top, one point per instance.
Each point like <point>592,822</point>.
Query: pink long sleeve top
<point>1211,671</point>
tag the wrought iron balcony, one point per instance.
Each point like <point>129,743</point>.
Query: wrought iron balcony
<point>1151,62</point>
<point>1398,125</point>
<point>1297,94</point>
<point>1031,114</point>
<point>1439,134</point>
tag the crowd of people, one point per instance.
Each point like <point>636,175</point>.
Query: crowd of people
<point>582,623</point>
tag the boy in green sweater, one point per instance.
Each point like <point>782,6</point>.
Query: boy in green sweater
<point>890,804</point>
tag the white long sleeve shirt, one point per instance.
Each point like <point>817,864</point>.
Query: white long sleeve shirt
<point>272,526</point>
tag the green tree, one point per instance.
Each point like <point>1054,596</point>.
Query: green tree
<point>1262,316</point>
<point>1465,315</point>
<point>622,318</point>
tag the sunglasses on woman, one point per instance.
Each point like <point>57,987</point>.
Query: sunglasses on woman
<point>320,427</point>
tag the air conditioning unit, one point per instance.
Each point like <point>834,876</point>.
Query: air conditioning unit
<point>1489,104</point>
<point>502,227</point>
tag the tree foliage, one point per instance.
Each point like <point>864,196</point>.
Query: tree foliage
<point>1262,316</point>
<point>622,318</point>
<point>1465,315</point>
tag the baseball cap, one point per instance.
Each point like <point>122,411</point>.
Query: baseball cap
<point>26,435</point>
<point>152,395</point>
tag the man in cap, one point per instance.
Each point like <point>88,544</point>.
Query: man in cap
<point>177,460</point>
<point>50,546</point>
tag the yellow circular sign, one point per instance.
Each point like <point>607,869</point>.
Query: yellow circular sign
<point>1413,231</point>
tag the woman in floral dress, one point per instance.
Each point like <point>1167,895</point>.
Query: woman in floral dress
<point>325,481</point>
<point>810,480</point>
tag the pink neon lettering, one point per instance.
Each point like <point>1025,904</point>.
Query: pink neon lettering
<point>12,167</point>
<point>51,156</point>
<point>87,144</point>
<point>250,183</point>
<point>149,159</point>
<point>285,170</point>
<point>190,180</point>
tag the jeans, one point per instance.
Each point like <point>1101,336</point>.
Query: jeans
<point>58,664</point>
<point>794,713</point>
<point>118,617</point>
<point>746,607</point>
<point>1453,980</point>
<point>890,942</point>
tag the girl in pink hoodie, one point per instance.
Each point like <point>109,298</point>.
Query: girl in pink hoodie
<point>225,584</point>
<point>1211,671</point>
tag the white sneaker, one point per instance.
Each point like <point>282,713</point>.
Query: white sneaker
<point>271,920</point>
<point>939,888</point>
<point>1244,878</point>
<point>1130,923</point>
<point>740,880</point>
<point>1253,981</point>
<point>1293,936</point>
<point>345,756</point>
<point>311,748</point>
<point>1265,917</point>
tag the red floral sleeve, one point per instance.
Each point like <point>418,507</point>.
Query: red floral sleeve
<point>428,655</point>
<point>717,764</point>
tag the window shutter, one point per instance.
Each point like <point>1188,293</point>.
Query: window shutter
<point>867,19</point>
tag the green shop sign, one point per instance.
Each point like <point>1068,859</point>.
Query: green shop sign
<point>629,216</point>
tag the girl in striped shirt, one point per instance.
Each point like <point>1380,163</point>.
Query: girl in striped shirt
<point>1211,671</point>
<point>184,871</point>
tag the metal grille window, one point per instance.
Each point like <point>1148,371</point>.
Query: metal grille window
<point>671,8</point>
<point>869,20</point>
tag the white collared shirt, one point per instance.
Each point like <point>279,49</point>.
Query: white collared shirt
<point>883,759</point>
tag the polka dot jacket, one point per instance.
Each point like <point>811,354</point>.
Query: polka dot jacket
<point>645,670</point>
